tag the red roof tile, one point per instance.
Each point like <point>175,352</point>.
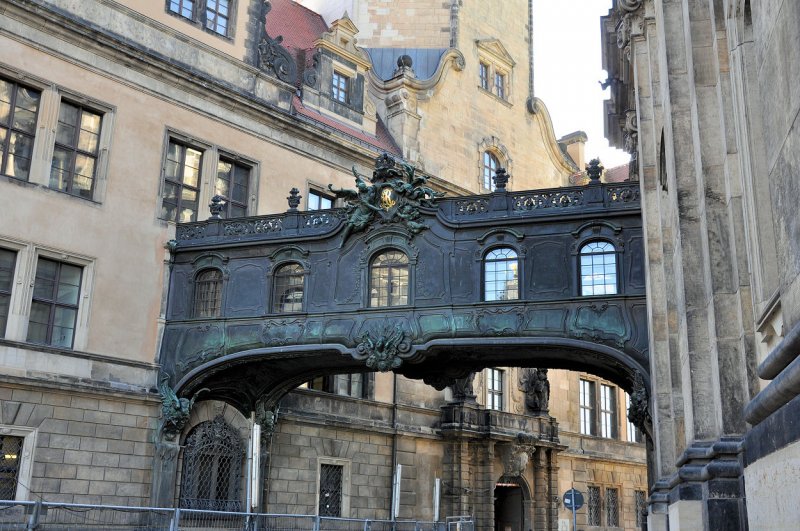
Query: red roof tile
<point>299,26</point>
<point>382,141</point>
<point>617,174</point>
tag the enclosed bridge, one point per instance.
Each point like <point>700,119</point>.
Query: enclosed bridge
<point>401,279</point>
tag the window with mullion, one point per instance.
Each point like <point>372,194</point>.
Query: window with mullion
<point>500,85</point>
<point>490,165</point>
<point>76,148</point>
<point>54,306</point>
<point>19,109</point>
<point>217,16</point>
<point>288,289</point>
<point>484,75</point>
<point>319,201</point>
<point>389,280</point>
<point>634,435</point>
<point>181,183</point>
<point>340,87</point>
<point>232,183</point>
<point>501,275</point>
<point>608,411</point>
<point>184,8</point>
<point>587,407</point>
<point>494,389</point>
<point>7,261</point>
<point>208,293</point>
<point>598,269</point>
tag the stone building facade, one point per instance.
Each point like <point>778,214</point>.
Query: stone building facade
<point>119,119</point>
<point>704,94</point>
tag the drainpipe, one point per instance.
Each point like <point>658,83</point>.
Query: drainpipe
<point>394,446</point>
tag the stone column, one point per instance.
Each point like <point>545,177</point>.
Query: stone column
<point>541,488</point>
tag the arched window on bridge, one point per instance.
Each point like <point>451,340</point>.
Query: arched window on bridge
<point>598,268</point>
<point>388,280</point>
<point>207,293</point>
<point>288,289</point>
<point>212,468</point>
<point>501,275</point>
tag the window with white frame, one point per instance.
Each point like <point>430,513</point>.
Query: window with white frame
<point>340,87</point>
<point>212,15</point>
<point>587,417</point>
<point>598,268</point>
<point>494,389</point>
<point>233,183</point>
<point>490,165</point>
<point>73,158</point>
<point>501,275</point>
<point>608,411</point>
<point>319,201</point>
<point>634,435</point>
<point>8,260</point>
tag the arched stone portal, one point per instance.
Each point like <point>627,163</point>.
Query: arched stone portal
<point>432,319</point>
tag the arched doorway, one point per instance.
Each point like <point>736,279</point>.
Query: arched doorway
<point>511,505</point>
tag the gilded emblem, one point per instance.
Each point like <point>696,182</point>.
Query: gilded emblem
<point>387,201</point>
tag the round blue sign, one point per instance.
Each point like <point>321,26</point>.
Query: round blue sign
<point>573,497</point>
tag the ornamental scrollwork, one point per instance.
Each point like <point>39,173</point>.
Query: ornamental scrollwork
<point>273,58</point>
<point>383,350</point>
<point>639,409</point>
<point>174,410</point>
<point>392,197</point>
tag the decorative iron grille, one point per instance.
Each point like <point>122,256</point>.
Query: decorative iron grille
<point>641,507</point>
<point>330,490</point>
<point>594,506</point>
<point>612,508</point>
<point>212,468</point>
<point>11,448</point>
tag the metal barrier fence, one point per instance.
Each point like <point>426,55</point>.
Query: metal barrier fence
<point>46,516</point>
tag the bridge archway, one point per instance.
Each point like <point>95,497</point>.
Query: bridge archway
<point>249,351</point>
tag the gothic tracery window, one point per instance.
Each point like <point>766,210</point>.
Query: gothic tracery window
<point>212,468</point>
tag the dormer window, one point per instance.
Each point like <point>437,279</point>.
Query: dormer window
<point>340,87</point>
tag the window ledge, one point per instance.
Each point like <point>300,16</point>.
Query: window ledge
<point>495,96</point>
